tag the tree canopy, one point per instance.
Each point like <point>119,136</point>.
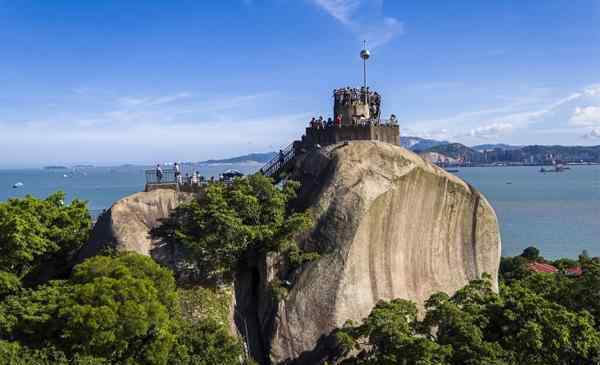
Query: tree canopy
<point>226,222</point>
<point>126,309</point>
<point>122,310</point>
<point>36,231</point>
<point>537,319</point>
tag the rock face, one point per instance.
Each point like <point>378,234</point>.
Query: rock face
<point>126,225</point>
<point>394,226</point>
<point>391,225</point>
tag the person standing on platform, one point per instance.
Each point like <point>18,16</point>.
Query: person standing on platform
<point>338,120</point>
<point>159,173</point>
<point>177,172</point>
<point>281,157</point>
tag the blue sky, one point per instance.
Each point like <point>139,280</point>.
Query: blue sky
<point>142,81</point>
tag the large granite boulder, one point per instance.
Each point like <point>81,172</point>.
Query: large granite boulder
<point>393,226</point>
<point>126,226</point>
<point>390,224</point>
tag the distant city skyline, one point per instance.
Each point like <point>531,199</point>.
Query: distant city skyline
<point>152,81</point>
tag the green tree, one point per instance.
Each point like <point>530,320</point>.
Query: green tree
<point>34,231</point>
<point>462,321</point>
<point>12,353</point>
<point>391,336</point>
<point>517,326</point>
<point>203,336</point>
<point>513,268</point>
<point>531,253</point>
<point>118,309</point>
<point>583,293</point>
<point>563,264</point>
<point>520,325</point>
<point>205,342</point>
<point>538,331</point>
<point>226,222</point>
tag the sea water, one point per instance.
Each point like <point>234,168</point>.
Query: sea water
<point>99,186</point>
<point>557,212</point>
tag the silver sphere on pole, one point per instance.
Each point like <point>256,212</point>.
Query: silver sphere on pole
<point>365,54</point>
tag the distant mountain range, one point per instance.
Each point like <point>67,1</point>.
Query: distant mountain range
<point>250,158</point>
<point>418,143</point>
<point>456,151</point>
<point>517,154</point>
<point>489,147</point>
<point>484,153</point>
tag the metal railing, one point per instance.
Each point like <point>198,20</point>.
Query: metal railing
<point>274,167</point>
<point>186,182</point>
<point>153,177</point>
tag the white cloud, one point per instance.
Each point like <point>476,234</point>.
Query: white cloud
<point>342,10</point>
<point>491,131</point>
<point>365,18</point>
<point>152,101</point>
<point>534,113</point>
<point>437,134</point>
<point>152,129</point>
<point>593,90</point>
<point>594,133</point>
<point>586,117</point>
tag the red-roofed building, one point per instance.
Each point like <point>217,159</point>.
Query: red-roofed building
<point>540,267</point>
<point>574,271</point>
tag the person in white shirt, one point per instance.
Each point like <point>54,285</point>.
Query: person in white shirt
<point>177,173</point>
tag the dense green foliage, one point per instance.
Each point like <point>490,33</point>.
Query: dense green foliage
<point>536,318</point>
<point>119,309</point>
<point>35,232</point>
<point>531,253</point>
<point>227,222</point>
<point>126,309</point>
<point>122,310</point>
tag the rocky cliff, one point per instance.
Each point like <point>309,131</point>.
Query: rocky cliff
<point>393,226</point>
<point>127,224</point>
<point>389,224</point>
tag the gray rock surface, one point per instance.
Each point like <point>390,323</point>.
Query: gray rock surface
<point>395,226</point>
<point>392,226</point>
<point>127,224</point>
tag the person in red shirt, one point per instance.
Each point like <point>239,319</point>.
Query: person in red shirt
<point>338,120</point>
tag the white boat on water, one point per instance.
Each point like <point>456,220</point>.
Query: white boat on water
<point>18,185</point>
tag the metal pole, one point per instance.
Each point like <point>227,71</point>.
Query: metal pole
<point>365,66</point>
<point>365,73</point>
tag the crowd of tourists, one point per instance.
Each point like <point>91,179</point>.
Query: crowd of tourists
<point>321,123</point>
<point>193,179</point>
<point>348,96</point>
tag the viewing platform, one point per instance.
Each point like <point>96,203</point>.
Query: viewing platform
<point>166,181</point>
<point>384,132</point>
<point>356,117</point>
<point>186,182</point>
